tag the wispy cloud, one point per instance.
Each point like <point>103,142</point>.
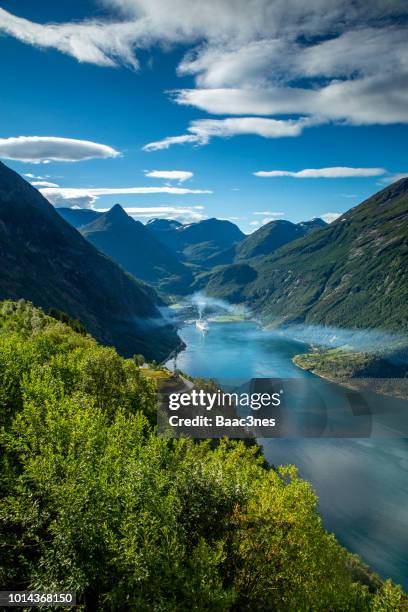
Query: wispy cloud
<point>171,175</point>
<point>247,57</point>
<point>202,130</point>
<point>34,176</point>
<point>180,213</point>
<point>43,184</point>
<point>94,42</point>
<point>37,149</point>
<point>335,172</point>
<point>371,100</point>
<point>171,140</point>
<point>86,197</point>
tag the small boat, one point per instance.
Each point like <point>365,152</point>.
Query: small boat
<point>202,325</point>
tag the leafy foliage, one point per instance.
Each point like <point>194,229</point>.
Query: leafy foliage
<point>93,500</point>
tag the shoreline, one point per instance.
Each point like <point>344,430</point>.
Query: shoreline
<point>360,383</point>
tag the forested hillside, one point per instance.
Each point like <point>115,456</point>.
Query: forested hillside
<point>352,273</point>
<point>92,500</point>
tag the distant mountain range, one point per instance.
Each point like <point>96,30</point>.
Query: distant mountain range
<point>163,252</point>
<point>166,253</point>
<point>198,243</point>
<point>352,273</point>
<point>46,260</point>
<point>136,249</point>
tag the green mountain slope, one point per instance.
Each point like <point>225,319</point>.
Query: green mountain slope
<point>45,260</point>
<point>352,273</point>
<point>268,239</point>
<point>131,245</point>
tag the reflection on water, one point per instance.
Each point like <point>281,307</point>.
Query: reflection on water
<point>362,484</point>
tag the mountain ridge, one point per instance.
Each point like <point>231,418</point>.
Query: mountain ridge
<point>351,273</point>
<point>130,244</point>
<point>47,261</point>
<point>195,243</point>
<point>77,216</point>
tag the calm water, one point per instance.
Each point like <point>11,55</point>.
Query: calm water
<point>362,484</point>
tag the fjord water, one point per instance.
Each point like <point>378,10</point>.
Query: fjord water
<point>362,484</point>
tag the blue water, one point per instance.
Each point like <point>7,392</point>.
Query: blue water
<point>362,484</point>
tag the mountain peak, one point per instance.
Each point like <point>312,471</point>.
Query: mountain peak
<point>117,212</point>
<point>47,261</point>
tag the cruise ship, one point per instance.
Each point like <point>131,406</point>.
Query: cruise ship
<point>202,325</point>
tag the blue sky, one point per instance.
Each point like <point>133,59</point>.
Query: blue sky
<point>244,94</point>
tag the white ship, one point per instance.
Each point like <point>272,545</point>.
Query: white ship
<point>202,325</point>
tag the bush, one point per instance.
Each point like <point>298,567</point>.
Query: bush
<point>94,501</point>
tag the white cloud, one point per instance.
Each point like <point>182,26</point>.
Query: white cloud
<point>95,42</point>
<point>171,175</point>
<point>169,141</point>
<point>336,172</point>
<point>330,216</point>
<point>246,56</point>
<point>43,184</point>
<point>274,59</point>
<point>381,99</point>
<point>202,130</point>
<point>180,213</point>
<point>86,197</point>
<point>37,149</point>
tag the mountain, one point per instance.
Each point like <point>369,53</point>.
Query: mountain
<point>269,238</point>
<point>163,225</point>
<point>165,231</point>
<point>312,225</point>
<point>197,243</point>
<point>45,260</point>
<point>352,273</point>
<point>78,217</point>
<point>265,240</point>
<point>132,245</point>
